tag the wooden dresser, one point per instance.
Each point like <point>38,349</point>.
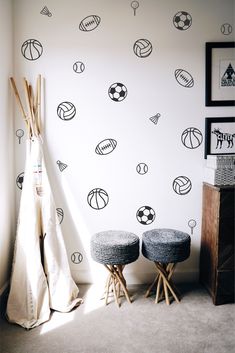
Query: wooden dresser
<point>217,242</point>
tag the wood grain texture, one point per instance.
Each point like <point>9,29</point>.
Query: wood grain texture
<point>217,243</point>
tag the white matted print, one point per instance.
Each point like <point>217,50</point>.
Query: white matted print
<point>223,74</point>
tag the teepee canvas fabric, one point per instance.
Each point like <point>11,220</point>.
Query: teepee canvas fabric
<point>41,278</point>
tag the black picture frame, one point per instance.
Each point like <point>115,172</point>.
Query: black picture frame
<point>219,122</point>
<point>209,66</point>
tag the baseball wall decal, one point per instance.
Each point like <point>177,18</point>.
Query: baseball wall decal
<point>182,185</point>
<point>182,20</point>
<point>145,215</point>
<point>31,49</point>
<point>89,23</point>
<point>191,137</point>
<point>142,48</point>
<point>76,258</point>
<point>98,198</point>
<point>78,67</point>
<point>66,111</point>
<point>106,146</point>
<point>226,29</point>
<point>184,78</point>
<point>142,168</point>
<point>117,92</point>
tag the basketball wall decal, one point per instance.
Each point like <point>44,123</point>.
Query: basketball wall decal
<point>106,146</point>
<point>145,215</point>
<point>191,137</point>
<point>182,185</point>
<point>89,23</point>
<point>117,92</point>
<point>66,111</point>
<point>182,20</point>
<point>142,48</point>
<point>78,67</point>
<point>184,78</point>
<point>98,198</point>
<point>142,168</point>
<point>31,49</point>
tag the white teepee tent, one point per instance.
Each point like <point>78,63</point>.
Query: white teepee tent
<point>41,278</point>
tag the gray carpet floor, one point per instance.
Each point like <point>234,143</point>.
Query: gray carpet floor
<point>193,326</point>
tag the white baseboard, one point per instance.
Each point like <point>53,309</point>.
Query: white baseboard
<point>85,277</point>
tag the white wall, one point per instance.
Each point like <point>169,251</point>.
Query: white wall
<point>107,53</point>
<point>6,151</point>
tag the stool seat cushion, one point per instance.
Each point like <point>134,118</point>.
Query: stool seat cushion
<point>115,247</point>
<point>166,245</point>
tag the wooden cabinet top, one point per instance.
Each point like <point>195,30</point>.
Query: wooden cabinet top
<point>221,187</point>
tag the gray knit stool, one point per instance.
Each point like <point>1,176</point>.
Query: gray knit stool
<point>115,249</point>
<point>165,247</point>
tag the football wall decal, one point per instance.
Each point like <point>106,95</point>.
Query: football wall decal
<point>106,146</point>
<point>89,23</point>
<point>184,78</point>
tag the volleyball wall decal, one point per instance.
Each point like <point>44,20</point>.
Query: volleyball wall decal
<point>98,198</point>
<point>66,111</point>
<point>184,78</point>
<point>106,146</point>
<point>89,23</point>
<point>182,20</point>
<point>145,215</point>
<point>142,48</point>
<point>182,185</point>
<point>117,92</point>
<point>31,49</point>
<point>191,137</point>
<point>78,67</point>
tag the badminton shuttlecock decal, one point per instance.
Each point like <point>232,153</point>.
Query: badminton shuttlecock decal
<point>46,12</point>
<point>61,165</point>
<point>155,118</point>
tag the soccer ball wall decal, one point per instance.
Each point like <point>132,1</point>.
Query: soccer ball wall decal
<point>117,92</point>
<point>182,20</point>
<point>145,215</point>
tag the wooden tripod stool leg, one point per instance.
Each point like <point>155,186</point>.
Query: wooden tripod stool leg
<point>167,282</point>
<point>116,281</point>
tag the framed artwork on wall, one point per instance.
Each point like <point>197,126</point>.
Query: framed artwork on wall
<point>220,73</point>
<point>219,136</point>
